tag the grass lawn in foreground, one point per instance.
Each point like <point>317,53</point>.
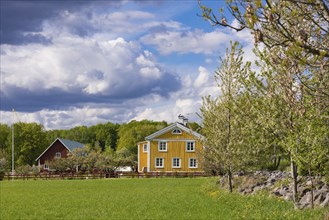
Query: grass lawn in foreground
<point>163,198</point>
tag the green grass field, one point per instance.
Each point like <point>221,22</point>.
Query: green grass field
<point>164,198</point>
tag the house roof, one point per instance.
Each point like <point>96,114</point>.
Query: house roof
<point>70,145</point>
<point>171,127</point>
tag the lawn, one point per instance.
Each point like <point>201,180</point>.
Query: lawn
<point>163,198</point>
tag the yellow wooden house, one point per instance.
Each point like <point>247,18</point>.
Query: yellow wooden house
<point>175,148</point>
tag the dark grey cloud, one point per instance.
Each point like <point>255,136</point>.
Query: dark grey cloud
<point>54,99</point>
<point>26,100</point>
<point>21,19</point>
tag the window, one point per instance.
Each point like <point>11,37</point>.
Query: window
<point>192,163</point>
<point>159,162</point>
<point>176,162</point>
<point>190,146</point>
<point>58,155</point>
<point>162,146</point>
<point>145,148</point>
<point>45,166</point>
<point>177,131</point>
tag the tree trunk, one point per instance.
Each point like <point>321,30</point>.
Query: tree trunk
<point>278,163</point>
<point>312,188</point>
<point>294,175</point>
<point>230,180</point>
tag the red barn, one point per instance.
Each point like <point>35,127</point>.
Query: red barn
<point>59,148</point>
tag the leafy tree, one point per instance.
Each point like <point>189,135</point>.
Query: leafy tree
<point>133,132</point>
<point>5,132</point>
<point>106,163</point>
<point>79,133</point>
<point>30,141</point>
<point>106,134</point>
<point>222,122</point>
<point>91,160</point>
<point>23,170</point>
<point>76,159</point>
<point>194,126</point>
<point>124,157</point>
<point>297,25</point>
<point>59,165</point>
<point>100,135</point>
<point>296,57</point>
<point>3,163</point>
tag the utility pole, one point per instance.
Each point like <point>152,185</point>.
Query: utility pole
<point>12,145</point>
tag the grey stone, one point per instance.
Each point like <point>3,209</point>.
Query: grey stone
<point>288,196</point>
<point>271,180</point>
<point>283,191</point>
<point>325,203</point>
<point>306,199</point>
<point>240,190</point>
<point>277,193</point>
<point>247,190</point>
<point>308,183</point>
<point>257,188</point>
<point>319,197</point>
<point>304,190</point>
<point>325,188</point>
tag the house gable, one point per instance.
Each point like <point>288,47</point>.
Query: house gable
<point>172,136</point>
<point>167,132</point>
<point>62,146</point>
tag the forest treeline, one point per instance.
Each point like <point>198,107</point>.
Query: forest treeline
<point>31,139</point>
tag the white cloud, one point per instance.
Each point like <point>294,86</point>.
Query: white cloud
<point>114,68</point>
<point>106,23</point>
<point>193,41</point>
<point>185,42</point>
<point>66,119</point>
<point>186,101</point>
<point>202,78</point>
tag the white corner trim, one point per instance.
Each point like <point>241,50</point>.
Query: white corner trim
<point>138,158</point>
<point>149,157</point>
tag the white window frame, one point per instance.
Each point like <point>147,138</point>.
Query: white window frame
<point>174,165</point>
<point>159,146</point>
<point>145,148</point>
<point>162,162</point>
<point>176,131</point>
<point>58,155</point>
<point>187,146</point>
<point>189,163</point>
<point>45,166</point>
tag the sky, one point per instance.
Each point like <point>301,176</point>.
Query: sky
<point>83,62</point>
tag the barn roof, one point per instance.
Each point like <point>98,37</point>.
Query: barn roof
<point>70,145</point>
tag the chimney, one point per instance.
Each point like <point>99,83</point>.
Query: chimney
<point>185,120</point>
<point>182,119</point>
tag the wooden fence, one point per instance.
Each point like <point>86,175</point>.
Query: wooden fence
<point>57,176</point>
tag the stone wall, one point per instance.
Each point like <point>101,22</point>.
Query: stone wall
<point>279,183</point>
